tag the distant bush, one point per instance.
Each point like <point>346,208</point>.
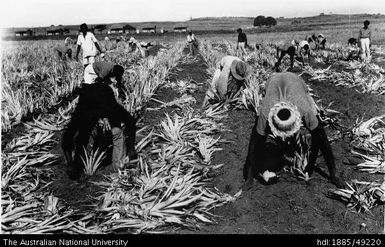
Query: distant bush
<point>270,21</point>
<point>260,21</point>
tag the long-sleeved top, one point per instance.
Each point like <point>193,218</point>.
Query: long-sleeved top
<point>364,33</point>
<point>221,75</point>
<point>97,101</point>
<point>287,87</point>
<point>242,38</point>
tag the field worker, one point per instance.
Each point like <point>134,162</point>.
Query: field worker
<point>286,107</point>
<point>88,43</point>
<point>131,43</point>
<point>65,51</point>
<point>242,41</point>
<point>111,73</point>
<point>321,41</point>
<point>286,48</point>
<point>364,37</point>
<point>191,42</point>
<point>303,50</point>
<point>228,79</point>
<point>352,42</point>
<point>97,104</point>
<point>142,47</point>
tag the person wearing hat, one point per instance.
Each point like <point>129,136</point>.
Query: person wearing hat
<point>88,43</point>
<point>228,79</point>
<point>97,104</point>
<point>364,37</point>
<point>110,73</point>
<point>141,46</point>
<point>286,107</point>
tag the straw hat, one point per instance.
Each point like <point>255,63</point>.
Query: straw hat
<point>284,120</point>
<point>238,69</point>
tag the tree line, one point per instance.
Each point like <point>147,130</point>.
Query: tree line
<point>261,20</point>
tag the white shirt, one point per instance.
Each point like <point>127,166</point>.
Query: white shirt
<point>88,44</point>
<point>190,38</point>
<point>221,75</point>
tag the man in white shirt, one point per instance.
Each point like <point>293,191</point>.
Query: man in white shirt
<point>191,42</point>
<point>88,43</point>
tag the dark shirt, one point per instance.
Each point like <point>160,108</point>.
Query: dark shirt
<point>97,100</point>
<point>242,37</point>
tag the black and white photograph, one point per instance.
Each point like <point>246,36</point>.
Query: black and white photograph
<point>191,118</point>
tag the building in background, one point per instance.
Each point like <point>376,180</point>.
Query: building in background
<point>121,28</point>
<point>180,29</point>
<point>149,29</point>
<point>57,30</point>
<point>27,32</point>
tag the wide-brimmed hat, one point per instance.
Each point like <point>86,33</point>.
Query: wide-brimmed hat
<point>284,119</point>
<point>239,69</point>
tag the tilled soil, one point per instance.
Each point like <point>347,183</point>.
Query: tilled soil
<point>290,206</point>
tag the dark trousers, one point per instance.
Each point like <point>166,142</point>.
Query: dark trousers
<point>264,153</point>
<point>290,51</point>
<point>79,134</point>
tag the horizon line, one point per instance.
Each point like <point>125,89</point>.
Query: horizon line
<point>283,17</point>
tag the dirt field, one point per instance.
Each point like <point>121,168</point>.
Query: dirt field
<point>290,206</point>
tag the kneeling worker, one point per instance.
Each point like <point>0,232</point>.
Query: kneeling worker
<point>228,79</point>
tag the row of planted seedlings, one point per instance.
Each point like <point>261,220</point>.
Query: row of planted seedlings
<point>170,187</point>
<point>27,206</point>
<point>368,136</point>
<point>368,146</point>
<point>260,62</point>
<point>34,79</point>
<point>367,143</point>
<point>347,70</point>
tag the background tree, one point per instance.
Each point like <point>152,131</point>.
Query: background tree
<point>270,21</point>
<point>259,21</point>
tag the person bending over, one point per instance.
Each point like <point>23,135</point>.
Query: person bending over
<point>286,106</point>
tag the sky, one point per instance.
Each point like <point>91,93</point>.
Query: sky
<point>34,13</point>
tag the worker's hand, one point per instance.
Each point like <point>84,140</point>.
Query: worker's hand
<point>105,124</point>
<point>102,54</point>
